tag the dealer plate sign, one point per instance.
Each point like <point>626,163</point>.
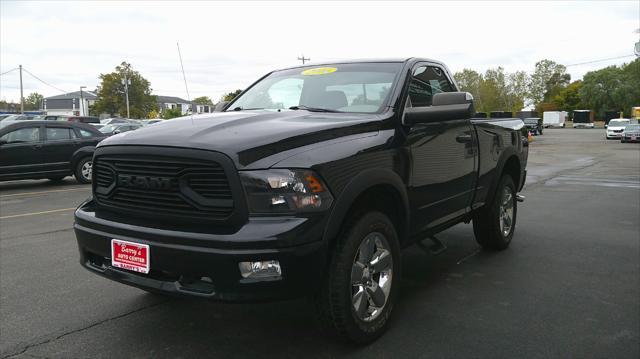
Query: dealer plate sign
<point>130,256</point>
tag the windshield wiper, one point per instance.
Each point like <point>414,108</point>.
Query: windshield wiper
<point>246,109</point>
<point>312,109</point>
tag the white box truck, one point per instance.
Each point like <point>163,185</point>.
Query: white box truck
<point>554,118</point>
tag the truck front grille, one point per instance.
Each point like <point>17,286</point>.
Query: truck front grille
<point>158,185</point>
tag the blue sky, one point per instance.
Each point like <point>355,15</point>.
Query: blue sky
<point>229,45</point>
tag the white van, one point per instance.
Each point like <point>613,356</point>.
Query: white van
<point>554,118</point>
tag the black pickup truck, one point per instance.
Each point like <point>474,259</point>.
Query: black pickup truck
<point>308,184</point>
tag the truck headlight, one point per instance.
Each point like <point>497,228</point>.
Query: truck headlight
<point>285,191</point>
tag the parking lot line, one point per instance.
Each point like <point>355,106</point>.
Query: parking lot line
<point>43,192</point>
<point>38,213</point>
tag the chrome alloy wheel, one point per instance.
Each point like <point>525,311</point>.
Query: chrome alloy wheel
<point>371,276</point>
<point>506,211</point>
<point>86,170</point>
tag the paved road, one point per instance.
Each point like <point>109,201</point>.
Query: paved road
<point>567,287</point>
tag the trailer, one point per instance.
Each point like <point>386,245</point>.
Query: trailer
<point>583,119</point>
<point>554,118</point>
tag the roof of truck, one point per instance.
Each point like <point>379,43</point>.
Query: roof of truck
<point>355,61</point>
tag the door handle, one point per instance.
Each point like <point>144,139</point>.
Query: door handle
<point>463,138</point>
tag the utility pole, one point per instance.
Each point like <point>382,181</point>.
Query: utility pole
<point>126,82</point>
<point>82,112</point>
<point>303,59</point>
<point>21,95</point>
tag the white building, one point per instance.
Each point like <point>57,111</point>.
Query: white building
<point>71,104</point>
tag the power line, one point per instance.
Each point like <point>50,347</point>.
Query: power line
<point>601,60</point>
<point>44,82</point>
<point>6,72</point>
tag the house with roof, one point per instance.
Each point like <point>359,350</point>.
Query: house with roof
<point>172,102</point>
<point>73,103</point>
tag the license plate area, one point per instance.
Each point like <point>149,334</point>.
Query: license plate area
<point>130,256</point>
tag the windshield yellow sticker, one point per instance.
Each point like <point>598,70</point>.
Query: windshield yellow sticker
<point>319,71</point>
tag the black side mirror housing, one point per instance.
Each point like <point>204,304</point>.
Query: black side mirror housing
<point>446,106</point>
<point>3,142</point>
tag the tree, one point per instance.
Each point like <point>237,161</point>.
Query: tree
<point>111,93</point>
<point>171,113</point>
<point>517,91</point>
<point>153,114</point>
<point>202,100</point>
<point>568,99</point>
<point>547,80</point>
<point>470,81</point>
<point>495,90</point>
<point>231,95</point>
<point>612,88</point>
<point>33,101</point>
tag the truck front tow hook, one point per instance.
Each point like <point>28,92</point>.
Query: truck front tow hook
<point>519,198</point>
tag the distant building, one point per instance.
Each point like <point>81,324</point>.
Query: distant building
<point>71,103</point>
<point>171,102</point>
<point>197,108</point>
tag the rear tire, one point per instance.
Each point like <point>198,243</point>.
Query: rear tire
<point>494,223</point>
<point>83,170</point>
<point>357,297</point>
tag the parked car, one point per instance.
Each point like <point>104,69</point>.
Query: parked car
<point>11,119</point>
<point>84,119</point>
<point>116,128</point>
<point>47,149</point>
<point>97,125</point>
<point>616,127</point>
<point>304,192</point>
<point>110,121</point>
<point>534,125</point>
<point>631,133</point>
<point>150,122</point>
<point>56,117</point>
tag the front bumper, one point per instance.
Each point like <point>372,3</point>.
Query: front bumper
<point>627,138</point>
<point>614,134</point>
<point>206,265</point>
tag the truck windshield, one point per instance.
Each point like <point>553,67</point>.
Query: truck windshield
<point>361,87</point>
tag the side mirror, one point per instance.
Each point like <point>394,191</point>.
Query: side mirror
<point>116,132</point>
<point>3,142</point>
<point>606,126</point>
<point>446,106</point>
<point>220,106</point>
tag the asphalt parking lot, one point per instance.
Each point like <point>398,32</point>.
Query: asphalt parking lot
<point>569,285</point>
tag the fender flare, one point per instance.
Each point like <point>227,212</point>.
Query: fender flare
<point>357,186</point>
<point>82,152</point>
<point>506,154</point>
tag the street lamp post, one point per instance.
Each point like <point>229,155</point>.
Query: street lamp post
<point>82,111</point>
<point>126,82</point>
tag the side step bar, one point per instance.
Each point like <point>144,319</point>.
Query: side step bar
<point>436,248</point>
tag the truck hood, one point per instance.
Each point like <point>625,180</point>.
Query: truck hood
<point>250,137</point>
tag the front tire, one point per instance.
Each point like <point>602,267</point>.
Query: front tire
<point>494,224</point>
<point>358,294</point>
<point>83,170</point>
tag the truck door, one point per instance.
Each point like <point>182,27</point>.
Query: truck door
<point>443,156</point>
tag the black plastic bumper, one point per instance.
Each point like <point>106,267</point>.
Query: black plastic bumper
<point>206,265</point>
